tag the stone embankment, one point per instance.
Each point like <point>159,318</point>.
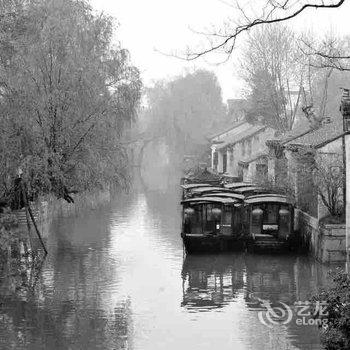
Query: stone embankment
<point>326,242</point>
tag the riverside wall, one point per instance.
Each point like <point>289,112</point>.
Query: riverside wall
<point>326,242</point>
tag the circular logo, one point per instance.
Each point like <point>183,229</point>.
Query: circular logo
<point>275,315</point>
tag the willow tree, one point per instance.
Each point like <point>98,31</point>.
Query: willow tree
<point>67,94</point>
<point>184,110</point>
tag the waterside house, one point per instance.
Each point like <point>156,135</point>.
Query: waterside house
<point>293,157</point>
<point>296,161</point>
<point>238,152</point>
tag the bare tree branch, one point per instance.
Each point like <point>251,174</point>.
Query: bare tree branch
<point>228,41</point>
<point>331,53</point>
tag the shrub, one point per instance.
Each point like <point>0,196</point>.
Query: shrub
<point>336,335</point>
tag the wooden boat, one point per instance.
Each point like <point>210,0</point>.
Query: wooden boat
<point>212,224</point>
<point>268,222</point>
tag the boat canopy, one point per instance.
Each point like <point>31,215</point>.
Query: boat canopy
<point>250,189</point>
<point>209,189</point>
<point>239,184</point>
<point>201,191</point>
<point>265,194</point>
<point>226,194</point>
<point>268,198</point>
<point>201,200</point>
<point>190,186</point>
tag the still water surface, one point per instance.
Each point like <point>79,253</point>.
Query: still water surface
<point>117,278</point>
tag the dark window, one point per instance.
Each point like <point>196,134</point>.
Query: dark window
<point>243,148</point>
<point>261,171</point>
<point>271,214</point>
<point>249,142</point>
<point>193,219</point>
<point>224,162</point>
<point>211,217</point>
<point>227,218</point>
<point>216,160</point>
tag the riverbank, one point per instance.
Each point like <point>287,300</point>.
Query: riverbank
<point>18,242</point>
<point>49,208</point>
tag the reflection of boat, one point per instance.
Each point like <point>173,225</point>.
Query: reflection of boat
<point>211,281</point>
<point>270,278</point>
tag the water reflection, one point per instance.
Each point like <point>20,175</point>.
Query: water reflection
<point>211,281</point>
<point>116,278</point>
<point>215,282</point>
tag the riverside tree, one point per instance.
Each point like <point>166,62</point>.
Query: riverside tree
<point>67,94</point>
<point>272,70</point>
<point>183,111</point>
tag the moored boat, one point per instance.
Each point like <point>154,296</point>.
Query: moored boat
<point>212,224</point>
<point>217,219</point>
<point>268,222</point>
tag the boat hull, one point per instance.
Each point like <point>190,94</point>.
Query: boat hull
<point>211,244</point>
<point>270,244</point>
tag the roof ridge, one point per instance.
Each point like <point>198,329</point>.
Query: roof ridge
<point>236,125</point>
<point>253,130</point>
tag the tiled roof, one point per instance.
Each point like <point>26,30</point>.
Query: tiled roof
<point>223,131</point>
<point>317,137</point>
<point>250,131</point>
<point>301,129</point>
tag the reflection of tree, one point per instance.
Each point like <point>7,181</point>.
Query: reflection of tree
<point>211,281</point>
<point>29,325</point>
<point>69,306</point>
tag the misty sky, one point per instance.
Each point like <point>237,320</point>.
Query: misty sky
<point>165,25</point>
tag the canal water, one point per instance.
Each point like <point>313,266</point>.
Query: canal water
<point>117,278</point>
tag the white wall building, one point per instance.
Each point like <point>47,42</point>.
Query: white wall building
<point>242,142</point>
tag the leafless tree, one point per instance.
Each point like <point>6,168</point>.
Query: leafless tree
<point>329,53</point>
<point>328,180</point>
<point>264,12</point>
<point>273,70</point>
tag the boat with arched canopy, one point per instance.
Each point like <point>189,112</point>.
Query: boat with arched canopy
<point>212,223</point>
